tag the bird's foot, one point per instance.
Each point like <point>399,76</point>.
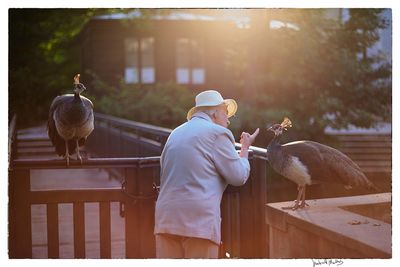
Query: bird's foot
<point>67,160</point>
<point>303,204</point>
<point>78,157</point>
<point>294,207</point>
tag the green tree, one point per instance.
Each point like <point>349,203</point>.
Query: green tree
<point>163,105</point>
<point>312,71</point>
<point>44,56</point>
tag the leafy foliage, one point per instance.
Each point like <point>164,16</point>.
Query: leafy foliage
<point>163,105</point>
<point>315,70</point>
<point>44,56</point>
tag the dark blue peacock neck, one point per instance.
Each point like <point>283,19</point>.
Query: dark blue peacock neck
<point>77,97</point>
<point>274,142</point>
<point>77,92</point>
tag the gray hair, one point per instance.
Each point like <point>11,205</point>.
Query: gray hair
<point>210,111</point>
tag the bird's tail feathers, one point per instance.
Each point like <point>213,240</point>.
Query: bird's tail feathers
<point>58,141</point>
<point>365,182</point>
<point>71,147</point>
<point>60,147</point>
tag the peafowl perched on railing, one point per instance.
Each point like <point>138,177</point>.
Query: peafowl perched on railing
<point>70,121</point>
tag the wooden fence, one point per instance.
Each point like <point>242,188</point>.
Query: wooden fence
<point>137,198</point>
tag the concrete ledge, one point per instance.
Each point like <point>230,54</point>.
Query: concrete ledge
<point>331,228</point>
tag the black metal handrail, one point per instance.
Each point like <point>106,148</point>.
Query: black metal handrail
<point>161,132</point>
<point>119,122</point>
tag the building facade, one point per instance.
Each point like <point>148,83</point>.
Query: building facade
<point>186,50</point>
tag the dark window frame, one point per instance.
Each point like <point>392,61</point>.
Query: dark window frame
<point>140,56</point>
<point>191,55</point>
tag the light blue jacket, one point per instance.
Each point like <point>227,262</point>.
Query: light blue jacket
<point>199,160</point>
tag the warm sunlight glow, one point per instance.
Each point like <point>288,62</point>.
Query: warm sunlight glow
<point>276,24</point>
<point>240,16</point>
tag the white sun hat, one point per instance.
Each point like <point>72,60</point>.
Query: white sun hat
<point>212,98</point>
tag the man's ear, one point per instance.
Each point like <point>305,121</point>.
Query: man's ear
<point>213,116</point>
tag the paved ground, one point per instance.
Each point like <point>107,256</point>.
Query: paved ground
<point>68,179</point>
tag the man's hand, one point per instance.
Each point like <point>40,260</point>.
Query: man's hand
<point>246,139</point>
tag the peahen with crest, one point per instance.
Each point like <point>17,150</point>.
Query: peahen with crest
<point>305,161</point>
<point>70,121</point>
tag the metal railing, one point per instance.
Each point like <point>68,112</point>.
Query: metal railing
<point>127,138</point>
<point>116,137</point>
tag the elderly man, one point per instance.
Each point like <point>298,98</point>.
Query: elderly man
<point>199,160</point>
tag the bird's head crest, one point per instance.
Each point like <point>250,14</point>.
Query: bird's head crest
<point>76,78</point>
<point>78,87</point>
<point>278,128</point>
<point>286,123</point>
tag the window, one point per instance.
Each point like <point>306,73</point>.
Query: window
<point>139,60</point>
<point>190,62</point>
